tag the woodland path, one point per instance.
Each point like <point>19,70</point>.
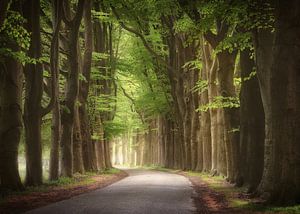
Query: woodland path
<point>143,192</point>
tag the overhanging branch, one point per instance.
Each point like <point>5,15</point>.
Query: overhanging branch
<point>144,41</point>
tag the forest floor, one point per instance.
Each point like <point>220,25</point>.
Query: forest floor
<point>215,195</point>
<point>50,192</point>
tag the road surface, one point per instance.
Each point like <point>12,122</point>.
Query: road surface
<point>143,192</point>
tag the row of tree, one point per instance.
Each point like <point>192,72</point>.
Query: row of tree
<point>231,74</point>
<point>210,86</point>
<point>56,61</point>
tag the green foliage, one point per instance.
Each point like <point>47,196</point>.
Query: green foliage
<point>13,33</point>
<point>201,86</point>
<point>96,56</point>
<point>155,103</point>
<point>238,41</point>
<point>251,75</point>
<point>65,109</point>
<point>114,128</point>
<point>110,171</point>
<point>238,80</point>
<point>231,194</point>
<point>193,65</point>
<point>221,102</point>
<point>185,24</point>
<point>258,15</point>
<point>101,16</point>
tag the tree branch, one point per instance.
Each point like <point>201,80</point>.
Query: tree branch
<point>211,38</point>
<point>54,62</point>
<point>145,43</point>
<point>133,102</point>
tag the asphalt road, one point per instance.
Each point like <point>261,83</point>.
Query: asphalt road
<point>143,191</point>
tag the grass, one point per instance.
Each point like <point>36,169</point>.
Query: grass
<point>160,168</point>
<point>63,182</point>
<point>271,209</point>
<point>218,184</point>
<point>230,192</point>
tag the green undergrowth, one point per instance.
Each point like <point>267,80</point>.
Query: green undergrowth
<point>160,168</point>
<point>270,209</point>
<point>218,184</point>
<point>63,182</point>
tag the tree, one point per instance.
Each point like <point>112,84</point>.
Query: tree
<point>251,124</point>
<point>71,97</point>
<point>33,110</point>
<point>280,89</point>
<point>89,151</point>
<point>10,98</point>
<point>54,63</point>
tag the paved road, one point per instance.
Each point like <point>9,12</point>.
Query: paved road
<point>142,192</point>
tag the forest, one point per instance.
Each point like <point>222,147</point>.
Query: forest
<point>210,86</point>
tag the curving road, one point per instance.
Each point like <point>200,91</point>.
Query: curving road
<point>143,192</point>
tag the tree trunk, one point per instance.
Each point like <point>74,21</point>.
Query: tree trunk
<point>124,151</point>
<point>77,144</point>
<point>107,152</point>
<point>10,118</point>
<point>263,41</point>
<point>251,124</point>
<point>89,152</point>
<point>282,161</point>
<point>100,150</point>
<point>54,63</point>
<point>71,94</point>
<point>33,97</point>
<point>231,120</point>
<point>205,115</point>
<point>212,92</point>
<point>221,153</point>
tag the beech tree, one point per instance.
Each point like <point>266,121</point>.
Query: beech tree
<point>33,110</point>
<point>71,97</point>
<point>209,86</point>
<point>10,95</point>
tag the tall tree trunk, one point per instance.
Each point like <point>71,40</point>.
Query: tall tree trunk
<point>221,153</point>
<point>10,117</point>
<point>124,150</point>
<point>71,93</point>
<point>10,123</point>
<point>77,144</point>
<point>213,92</point>
<point>54,63</point>
<point>205,115</point>
<point>33,97</point>
<point>107,153</point>
<point>282,161</point>
<point>89,152</point>
<point>100,147</point>
<point>251,124</point>
<point>231,120</point>
<point>263,40</point>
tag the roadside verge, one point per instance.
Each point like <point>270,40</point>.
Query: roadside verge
<point>54,191</point>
